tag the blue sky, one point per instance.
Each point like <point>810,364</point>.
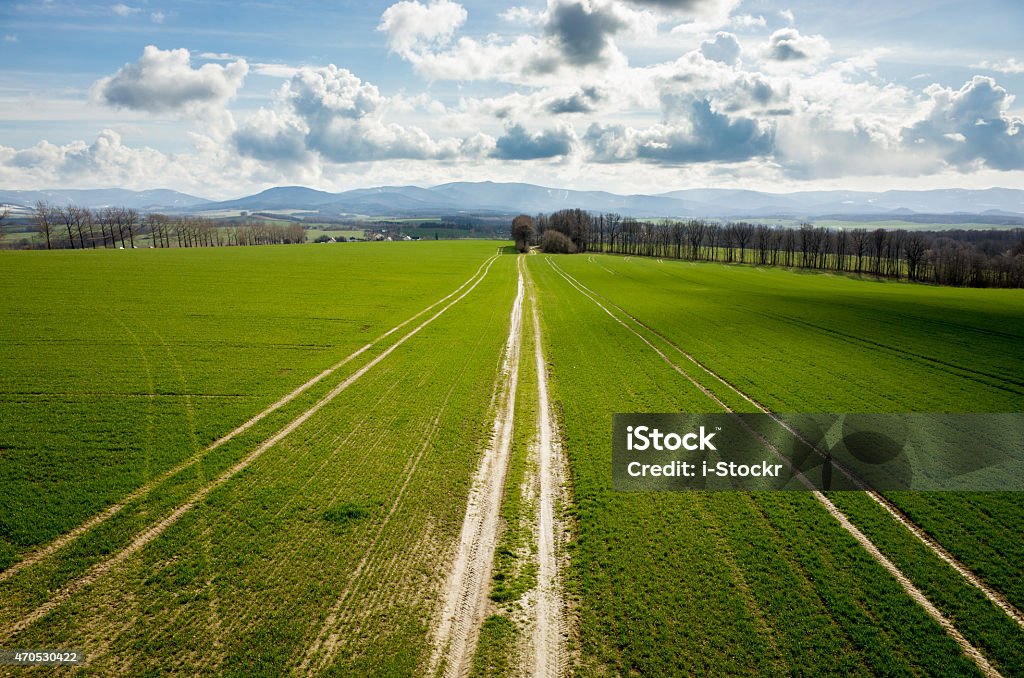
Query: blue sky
<point>222,99</point>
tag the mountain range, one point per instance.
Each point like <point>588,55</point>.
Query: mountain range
<point>490,198</point>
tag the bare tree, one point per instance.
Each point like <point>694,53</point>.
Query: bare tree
<point>4,213</point>
<point>130,218</point>
<point>914,248</point>
<point>694,236</point>
<point>85,217</point>
<point>878,237</point>
<point>860,245</point>
<point>44,221</point>
<point>741,234</point>
<point>68,215</point>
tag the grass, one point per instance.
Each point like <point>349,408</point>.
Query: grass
<point>769,583</point>
<point>117,365</point>
<point>271,526</point>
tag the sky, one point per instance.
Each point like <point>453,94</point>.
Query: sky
<point>223,99</point>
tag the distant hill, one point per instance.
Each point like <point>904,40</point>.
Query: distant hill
<point>160,198</point>
<point>1002,205</point>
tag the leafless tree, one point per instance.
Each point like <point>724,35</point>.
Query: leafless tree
<point>914,250</point>
<point>44,218</point>
<point>742,233</point>
<point>68,215</point>
<point>5,212</point>
<point>859,237</point>
<point>130,219</point>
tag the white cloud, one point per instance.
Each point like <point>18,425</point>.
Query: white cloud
<point>789,45</point>
<point>705,17</point>
<point>219,56</point>
<point>164,81</point>
<point>787,14</point>
<point>724,48</point>
<point>121,9</point>
<point>1010,66</point>
<point>412,26</point>
<point>157,17</point>
<point>10,37</point>
<point>523,15</point>
<point>275,70</point>
<point>971,126</point>
<point>748,21</point>
<point>331,114</point>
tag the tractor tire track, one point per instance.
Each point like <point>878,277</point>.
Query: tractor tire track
<point>326,643</point>
<point>66,539</point>
<point>464,596</point>
<point>101,568</point>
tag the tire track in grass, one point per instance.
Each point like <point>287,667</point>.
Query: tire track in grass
<point>104,566</point>
<point>319,654</point>
<point>915,594</point>
<point>930,542</point>
<point>549,630</point>
<point>389,567</point>
<point>215,625</point>
<point>464,594</point>
<point>66,539</point>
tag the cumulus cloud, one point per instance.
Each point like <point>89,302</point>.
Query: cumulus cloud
<point>523,15</point>
<point>971,126</point>
<point>724,48</point>
<point>107,157</point>
<point>568,34</point>
<point>578,102</point>
<point>272,137</point>
<point>412,26</point>
<point>709,137</point>
<point>583,32</point>
<point>788,44</point>
<point>518,144</point>
<point>332,113</point>
<point>700,17</point>
<point>164,81</point>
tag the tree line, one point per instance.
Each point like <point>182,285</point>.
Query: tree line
<point>965,258</point>
<point>73,227</point>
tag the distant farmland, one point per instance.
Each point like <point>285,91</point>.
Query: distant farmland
<point>369,460</point>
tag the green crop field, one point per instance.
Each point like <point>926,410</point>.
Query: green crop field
<point>368,460</point>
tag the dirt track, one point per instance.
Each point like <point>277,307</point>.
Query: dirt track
<point>548,641</point>
<point>465,591</point>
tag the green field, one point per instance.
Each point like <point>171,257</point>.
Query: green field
<point>261,460</point>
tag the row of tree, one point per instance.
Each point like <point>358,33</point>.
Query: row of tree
<point>73,227</point>
<point>988,258</point>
